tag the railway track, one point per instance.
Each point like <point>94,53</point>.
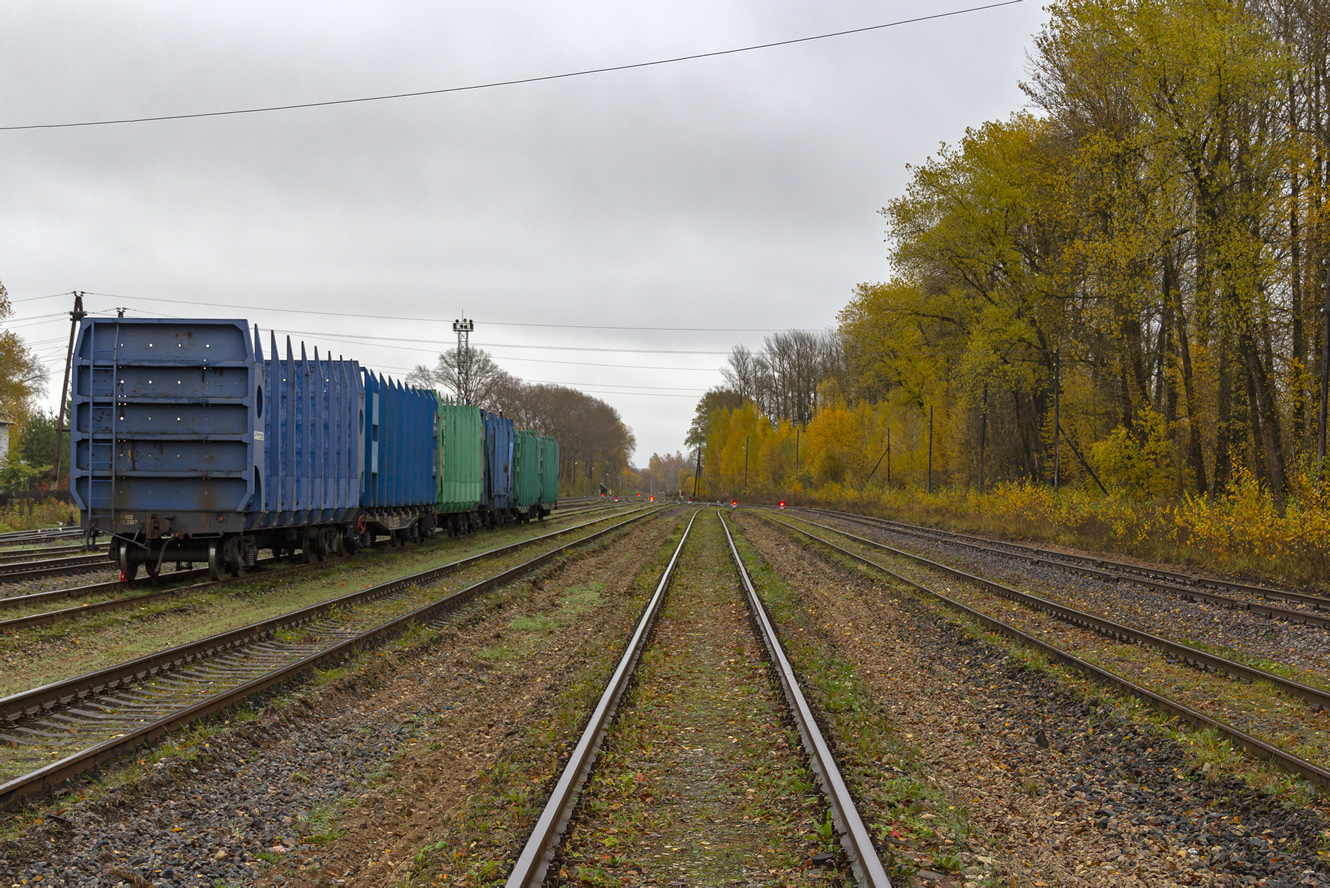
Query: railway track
<point>156,591</point>
<point>62,729</point>
<point>24,537</point>
<point>539,851</point>
<point>1056,645</point>
<point>36,552</point>
<point>1190,586</point>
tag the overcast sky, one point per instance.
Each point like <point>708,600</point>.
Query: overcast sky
<point>732,192</point>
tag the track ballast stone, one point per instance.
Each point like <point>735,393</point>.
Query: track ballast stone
<point>1061,790</point>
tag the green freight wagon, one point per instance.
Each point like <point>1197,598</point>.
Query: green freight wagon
<point>549,474</point>
<point>526,475</point>
<point>460,469</point>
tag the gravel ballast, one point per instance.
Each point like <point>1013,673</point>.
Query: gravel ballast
<point>1060,790</point>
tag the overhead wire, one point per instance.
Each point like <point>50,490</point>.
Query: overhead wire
<point>416,319</point>
<point>519,81</point>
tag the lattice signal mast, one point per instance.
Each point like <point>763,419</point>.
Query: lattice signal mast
<point>463,327</point>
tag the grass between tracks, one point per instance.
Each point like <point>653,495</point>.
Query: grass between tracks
<point>700,781</point>
<point>479,842</point>
<point>883,767</point>
<point>44,654</point>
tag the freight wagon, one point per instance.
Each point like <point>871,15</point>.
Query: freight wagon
<point>189,444</point>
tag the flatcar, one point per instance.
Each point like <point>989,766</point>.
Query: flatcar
<point>188,444</point>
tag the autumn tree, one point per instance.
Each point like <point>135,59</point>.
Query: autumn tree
<point>22,376</point>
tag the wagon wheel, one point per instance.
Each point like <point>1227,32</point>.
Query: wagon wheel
<point>215,565</point>
<point>129,568</point>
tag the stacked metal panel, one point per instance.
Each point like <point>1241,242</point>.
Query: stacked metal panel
<point>163,429</point>
<point>400,443</point>
<point>462,438</point>
<point>498,494</point>
<point>312,438</point>
<point>549,471</point>
<point>526,470</point>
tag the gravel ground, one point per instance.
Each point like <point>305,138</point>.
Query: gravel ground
<point>332,785</point>
<point>1059,790</point>
<point>1254,637</point>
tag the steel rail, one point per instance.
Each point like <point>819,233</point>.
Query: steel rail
<point>39,619</point>
<point>36,553</point>
<point>58,772</point>
<point>1164,580</point>
<point>1255,745</point>
<point>538,852</point>
<point>1317,697</point>
<point>18,537</point>
<point>37,700</point>
<point>868,869</point>
<point>997,548</point>
<point>53,567</point>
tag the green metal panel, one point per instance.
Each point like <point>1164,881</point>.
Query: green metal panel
<point>549,471</point>
<point>462,443</point>
<point>526,469</point>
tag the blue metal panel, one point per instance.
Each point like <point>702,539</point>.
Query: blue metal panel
<point>498,461</point>
<point>311,438</point>
<point>163,421</point>
<point>399,445</point>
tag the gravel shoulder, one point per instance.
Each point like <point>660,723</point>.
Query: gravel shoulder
<point>1055,786</point>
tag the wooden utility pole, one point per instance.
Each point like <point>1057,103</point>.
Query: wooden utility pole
<point>1325,377</point>
<point>74,317</point>
<point>745,463</point>
<point>983,434</point>
<point>697,473</point>
<point>928,486</point>
<point>1057,420</point>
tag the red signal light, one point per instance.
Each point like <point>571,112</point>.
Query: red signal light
<point>734,502</point>
<point>782,505</point>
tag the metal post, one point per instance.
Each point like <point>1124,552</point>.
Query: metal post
<point>463,328</point>
<point>888,449</point>
<point>929,486</point>
<point>796,453</point>
<point>74,317</point>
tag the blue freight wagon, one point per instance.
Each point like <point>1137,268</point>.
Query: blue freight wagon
<point>187,445</point>
<point>399,490</point>
<point>497,499</point>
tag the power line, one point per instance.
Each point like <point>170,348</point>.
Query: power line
<point>393,340</point>
<point>502,83</point>
<point>341,314</point>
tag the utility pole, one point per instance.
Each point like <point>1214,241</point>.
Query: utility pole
<point>1057,420</point>
<point>74,317</point>
<point>697,473</point>
<point>929,485</point>
<point>745,463</point>
<point>1325,375</point>
<point>888,449</point>
<point>796,453</point>
<point>983,433</point>
<point>463,328</point>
